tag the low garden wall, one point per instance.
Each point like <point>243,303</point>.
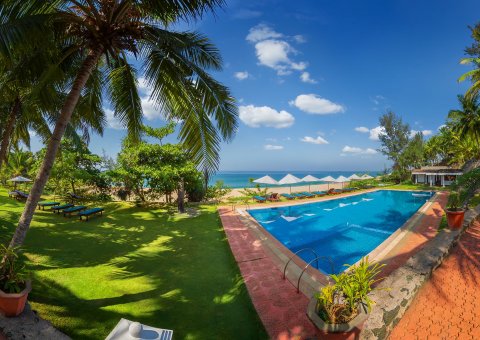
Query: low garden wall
<point>394,294</point>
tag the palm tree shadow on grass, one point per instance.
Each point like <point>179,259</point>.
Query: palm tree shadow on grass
<point>193,284</point>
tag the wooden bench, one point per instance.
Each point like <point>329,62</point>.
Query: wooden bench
<point>90,212</point>
<point>69,211</point>
<point>57,208</point>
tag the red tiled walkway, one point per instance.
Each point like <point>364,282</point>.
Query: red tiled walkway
<point>281,309</point>
<point>448,306</point>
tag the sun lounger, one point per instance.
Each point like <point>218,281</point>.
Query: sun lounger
<point>74,196</point>
<point>288,196</point>
<point>334,192</point>
<point>69,211</point>
<point>300,196</point>
<point>259,199</point>
<point>273,197</point>
<point>307,194</point>
<point>42,205</point>
<point>21,195</point>
<point>90,212</point>
<point>319,193</point>
<point>58,208</point>
<point>12,194</point>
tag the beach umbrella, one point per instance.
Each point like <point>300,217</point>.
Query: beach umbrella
<point>289,179</point>
<point>354,177</point>
<point>328,179</point>
<point>341,179</point>
<point>310,178</point>
<point>19,179</point>
<point>265,180</point>
<point>366,176</point>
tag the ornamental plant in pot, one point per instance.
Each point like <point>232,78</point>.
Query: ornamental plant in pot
<point>455,213</point>
<point>14,282</point>
<point>343,305</point>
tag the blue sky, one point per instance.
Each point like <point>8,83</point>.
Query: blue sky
<point>312,77</point>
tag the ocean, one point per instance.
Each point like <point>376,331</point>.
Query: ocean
<point>240,179</point>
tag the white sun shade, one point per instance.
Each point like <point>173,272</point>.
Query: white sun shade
<point>342,179</point>
<point>310,178</point>
<point>328,179</point>
<point>265,180</point>
<point>20,179</point>
<point>289,179</point>
<point>366,176</point>
<point>354,177</point>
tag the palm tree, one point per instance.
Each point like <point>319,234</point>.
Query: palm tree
<point>102,36</point>
<point>466,121</point>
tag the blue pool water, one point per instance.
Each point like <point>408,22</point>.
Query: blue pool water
<point>344,229</point>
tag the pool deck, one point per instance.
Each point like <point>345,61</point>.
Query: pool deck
<point>279,306</point>
<point>447,306</point>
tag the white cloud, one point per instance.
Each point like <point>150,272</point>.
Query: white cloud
<point>273,50</point>
<point>112,121</point>
<point>262,32</point>
<point>362,129</point>
<point>358,151</point>
<point>305,77</point>
<point>376,132</point>
<point>314,104</point>
<point>299,39</point>
<point>441,127</point>
<point>424,133</point>
<point>271,139</point>
<point>318,140</point>
<point>271,147</point>
<point>242,75</point>
<point>257,116</point>
<point>427,132</point>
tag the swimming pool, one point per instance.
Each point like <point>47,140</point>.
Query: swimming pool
<point>344,229</point>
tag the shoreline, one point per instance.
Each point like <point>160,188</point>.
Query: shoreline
<point>286,189</point>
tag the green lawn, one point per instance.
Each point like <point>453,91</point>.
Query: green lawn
<point>149,265</point>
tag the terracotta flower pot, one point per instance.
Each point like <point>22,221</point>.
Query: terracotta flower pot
<point>12,304</point>
<point>351,328</point>
<point>455,218</point>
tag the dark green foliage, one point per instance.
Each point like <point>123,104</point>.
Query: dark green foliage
<point>159,168</point>
<point>394,139</point>
<point>13,275</point>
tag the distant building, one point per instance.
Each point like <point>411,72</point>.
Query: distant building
<point>438,175</point>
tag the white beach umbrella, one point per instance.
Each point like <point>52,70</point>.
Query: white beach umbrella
<point>289,179</point>
<point>310,178</point>
<point>328,179</point>
<point>266,180</point>
<point>366,176</point>
<point>341,179</point>
<point>19,179</point>
<point>354,177</point>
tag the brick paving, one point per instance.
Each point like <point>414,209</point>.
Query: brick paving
<point>448,306</point>
<point>281,309</point>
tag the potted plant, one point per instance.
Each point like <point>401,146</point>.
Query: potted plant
<point>14,283</point>
<point>343,306</point>
<point>455,213</point>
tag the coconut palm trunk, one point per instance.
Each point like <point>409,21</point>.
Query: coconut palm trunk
<point>66,113</point>
<point>7,134</point>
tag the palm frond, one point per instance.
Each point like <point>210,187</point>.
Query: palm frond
<point>123,92</point>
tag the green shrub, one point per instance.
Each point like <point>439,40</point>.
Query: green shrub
<point>340,302</point>
<point>13,275</point>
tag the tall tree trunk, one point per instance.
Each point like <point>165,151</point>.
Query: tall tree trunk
<point>43,174</point>
<point>7,133</point>
<point>181,197</point>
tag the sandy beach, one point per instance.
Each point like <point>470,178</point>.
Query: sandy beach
<point>286,190</point>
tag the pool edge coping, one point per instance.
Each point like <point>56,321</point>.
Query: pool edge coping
<point>314,279</point>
